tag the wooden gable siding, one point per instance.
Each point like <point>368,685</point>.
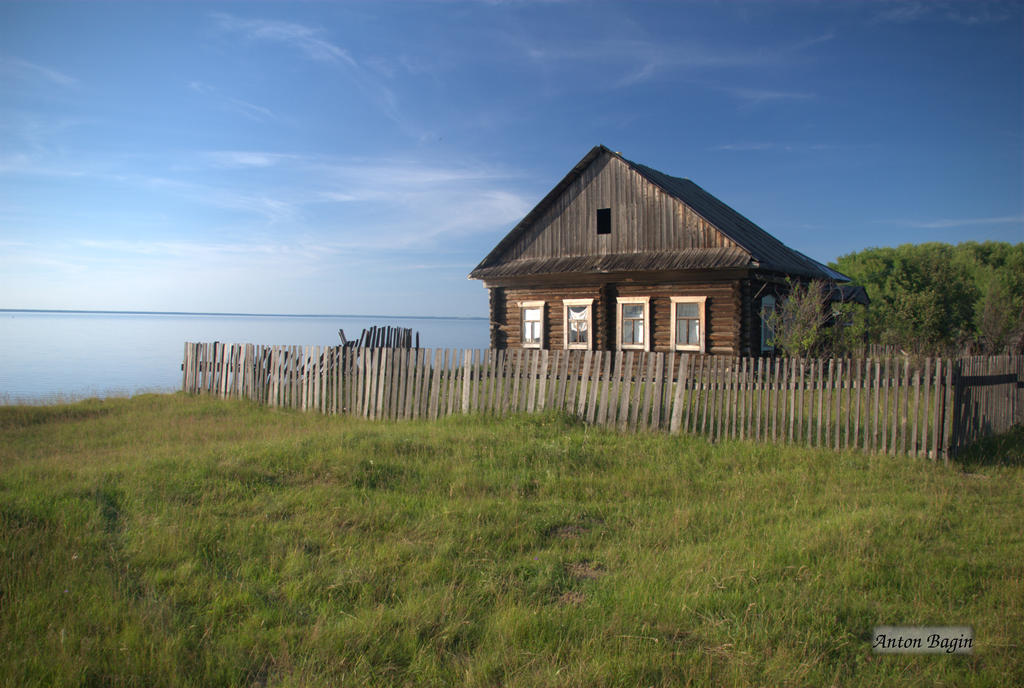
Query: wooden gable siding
<point>723,308</point>
<point>644,218</point>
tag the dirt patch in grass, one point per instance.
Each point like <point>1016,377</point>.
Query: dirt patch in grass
<point>586,570</point>
<point>572,597</point>
<point>571,531</point>
<point>568,532</point>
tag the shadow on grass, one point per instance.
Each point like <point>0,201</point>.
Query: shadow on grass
<point>22,416</point>
<point>1006,449</point>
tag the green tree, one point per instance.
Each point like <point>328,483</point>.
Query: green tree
<point>933,297</point>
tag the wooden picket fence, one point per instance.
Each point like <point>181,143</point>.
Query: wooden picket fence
<point>930,408</point>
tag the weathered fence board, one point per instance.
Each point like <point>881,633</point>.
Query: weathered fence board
<point>927,409</point>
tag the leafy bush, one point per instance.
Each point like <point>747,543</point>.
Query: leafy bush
<point>940,298</point>
<point>798,324</point>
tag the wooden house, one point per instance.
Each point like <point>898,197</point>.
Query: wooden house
<point>622,256</point>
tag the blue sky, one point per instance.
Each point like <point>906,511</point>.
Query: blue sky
<point>363,157</point>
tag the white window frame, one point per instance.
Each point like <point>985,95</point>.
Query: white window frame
<point>766,333</point>
<point>631,300</point>
<point>566,303</point>
<point>701,301</point>
<point>523,305</point>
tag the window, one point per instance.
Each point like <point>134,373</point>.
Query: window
<point>604,220</point>
<point>533,323</point>
<point>767,334</point>
<point>688,328</point>
<point>578,323</point>
<point>633,320</point>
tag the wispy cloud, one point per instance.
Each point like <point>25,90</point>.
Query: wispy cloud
<point>272,201</point>
<point>806,43</point>
<point>42,165</point>
<point>763,95</point>
<point>967,14</point>
<point>413,202</point>
<point>269,202</point>
<point>949,223</point>
<point>420,202</point>
<point>257,113</point>
<point>902,12</point>
<point>976,15</point>
<point>753,146</point>
<point>680,54</point>
<point>254,112</point>
<point>33,258</point>
<point>39,132</point>
<point>246,158</point>
<point>641,60</point>
<point>746,146</point>
<point>180,268</point>
<point>29,71</point>
<point>17,163</point>
<point>371,203</point>
<point>186,249</point>
<point>312,43</point>
<point>309,41</point>
<point>644,60</point>
<point>398,174</point>
<point>272,208</point>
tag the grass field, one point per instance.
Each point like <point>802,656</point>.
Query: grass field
<point>165,540</point>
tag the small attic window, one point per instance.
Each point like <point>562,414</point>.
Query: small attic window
<point>604,220</point>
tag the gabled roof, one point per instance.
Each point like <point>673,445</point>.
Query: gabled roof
<point>757,248</point>
<point>848,293</point>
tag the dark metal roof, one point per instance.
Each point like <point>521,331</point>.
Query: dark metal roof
<point>759,249</point>
<point>686,259</point>
<point>768,252</point>
<point>848,293</point>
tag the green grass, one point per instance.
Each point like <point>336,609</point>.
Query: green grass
<point>177,541</point>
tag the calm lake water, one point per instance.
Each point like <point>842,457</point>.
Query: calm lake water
<point>50,356</point>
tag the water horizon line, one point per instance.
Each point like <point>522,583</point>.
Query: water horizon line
<point>72,311</point>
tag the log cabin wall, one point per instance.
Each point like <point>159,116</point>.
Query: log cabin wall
<point>721,316</point>
<point>723,308</point>
<point>496,296</point>
<point>554,316</point>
